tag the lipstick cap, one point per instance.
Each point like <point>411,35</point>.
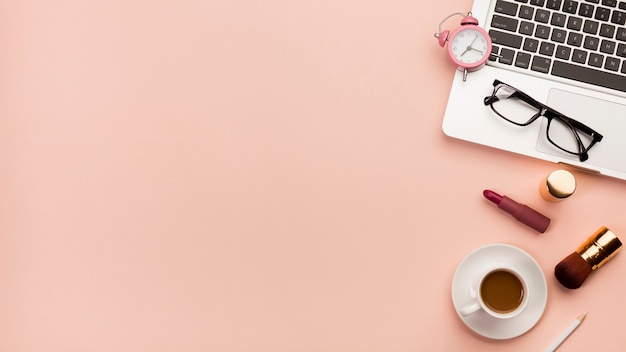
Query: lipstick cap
<point>600,248</point>
<point>558,185</point>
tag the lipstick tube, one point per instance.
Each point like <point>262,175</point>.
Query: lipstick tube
<point>521,212</point>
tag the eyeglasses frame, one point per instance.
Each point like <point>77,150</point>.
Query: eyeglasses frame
<point>549,113</point>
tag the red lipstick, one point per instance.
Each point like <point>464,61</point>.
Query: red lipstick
<point>520,212</point>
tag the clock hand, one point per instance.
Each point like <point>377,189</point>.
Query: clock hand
<point>469,47</point>
<point>472,48</point>
<point>472,43</point>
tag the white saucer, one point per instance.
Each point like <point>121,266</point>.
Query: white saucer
<point>476,263</point>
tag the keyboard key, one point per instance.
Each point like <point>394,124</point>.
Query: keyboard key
<point>591,43</point>
<point>537,2</point>
<point>558,35</point>
<point>621,50</point>
<point>522,60</point>
<point>596,60</point>
<point>541,64</point>
<point>506,23</point>
<point>558,19</point>
<point>542,32</point>
<point>506,39</point>
<point>591,27</point>
<point>554,4</point>
<point>588,75</point>
<point>610,3</point>
<point>586,10</point>
<point>563,52</point>
<point>547,48</point>
<point>495,52</point>
<point>607,46</point>
<point>575,23</point>
<point>579,56</point>
<point>575,39</point>
<point>607,30</point>
<point>618,17</point>
<point>602,14</point>
<point>531,45</point>
<point>621,34</point>
<point>612,64</point>
<point>570,6</point>
<point>527,28</point>
<point>542,16</point>
<point>506,56</point>
<point>526,12</point>
<point>507,8</point>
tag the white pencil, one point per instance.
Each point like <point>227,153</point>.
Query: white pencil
<point>570,329</point>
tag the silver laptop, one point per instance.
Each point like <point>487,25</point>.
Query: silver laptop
<point>570,58</point>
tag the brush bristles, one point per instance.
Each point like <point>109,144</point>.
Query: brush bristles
<point>572,271</point>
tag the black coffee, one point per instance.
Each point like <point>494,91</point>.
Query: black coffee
<point>502,291</point>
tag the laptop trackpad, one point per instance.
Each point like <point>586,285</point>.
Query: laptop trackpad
<point>606,117</point>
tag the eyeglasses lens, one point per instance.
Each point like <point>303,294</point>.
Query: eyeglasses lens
<point>512,108</point>
<point>566,137</point>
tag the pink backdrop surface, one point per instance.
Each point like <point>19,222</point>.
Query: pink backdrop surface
<point>194,175</point>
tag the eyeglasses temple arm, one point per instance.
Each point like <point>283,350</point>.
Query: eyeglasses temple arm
<point>490,99</point>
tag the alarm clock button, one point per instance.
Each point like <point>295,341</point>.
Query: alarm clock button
<point>443,37</point>
<point>469,20</point>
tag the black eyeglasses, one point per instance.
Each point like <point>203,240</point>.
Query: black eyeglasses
<point>519,108</point>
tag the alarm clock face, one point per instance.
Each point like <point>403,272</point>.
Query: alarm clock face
<point>469,47</point>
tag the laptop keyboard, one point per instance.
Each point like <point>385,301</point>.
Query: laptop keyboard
<point>581,40</point>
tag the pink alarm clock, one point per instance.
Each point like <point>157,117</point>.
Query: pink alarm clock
<point>469,46</point>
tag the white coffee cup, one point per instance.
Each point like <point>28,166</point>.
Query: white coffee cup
<point>501,292</point>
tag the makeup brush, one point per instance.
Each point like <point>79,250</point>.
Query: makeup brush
<point>595,252</point>
<point>572,271</point>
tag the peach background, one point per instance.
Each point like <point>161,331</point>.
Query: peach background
<point>194,175</point>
